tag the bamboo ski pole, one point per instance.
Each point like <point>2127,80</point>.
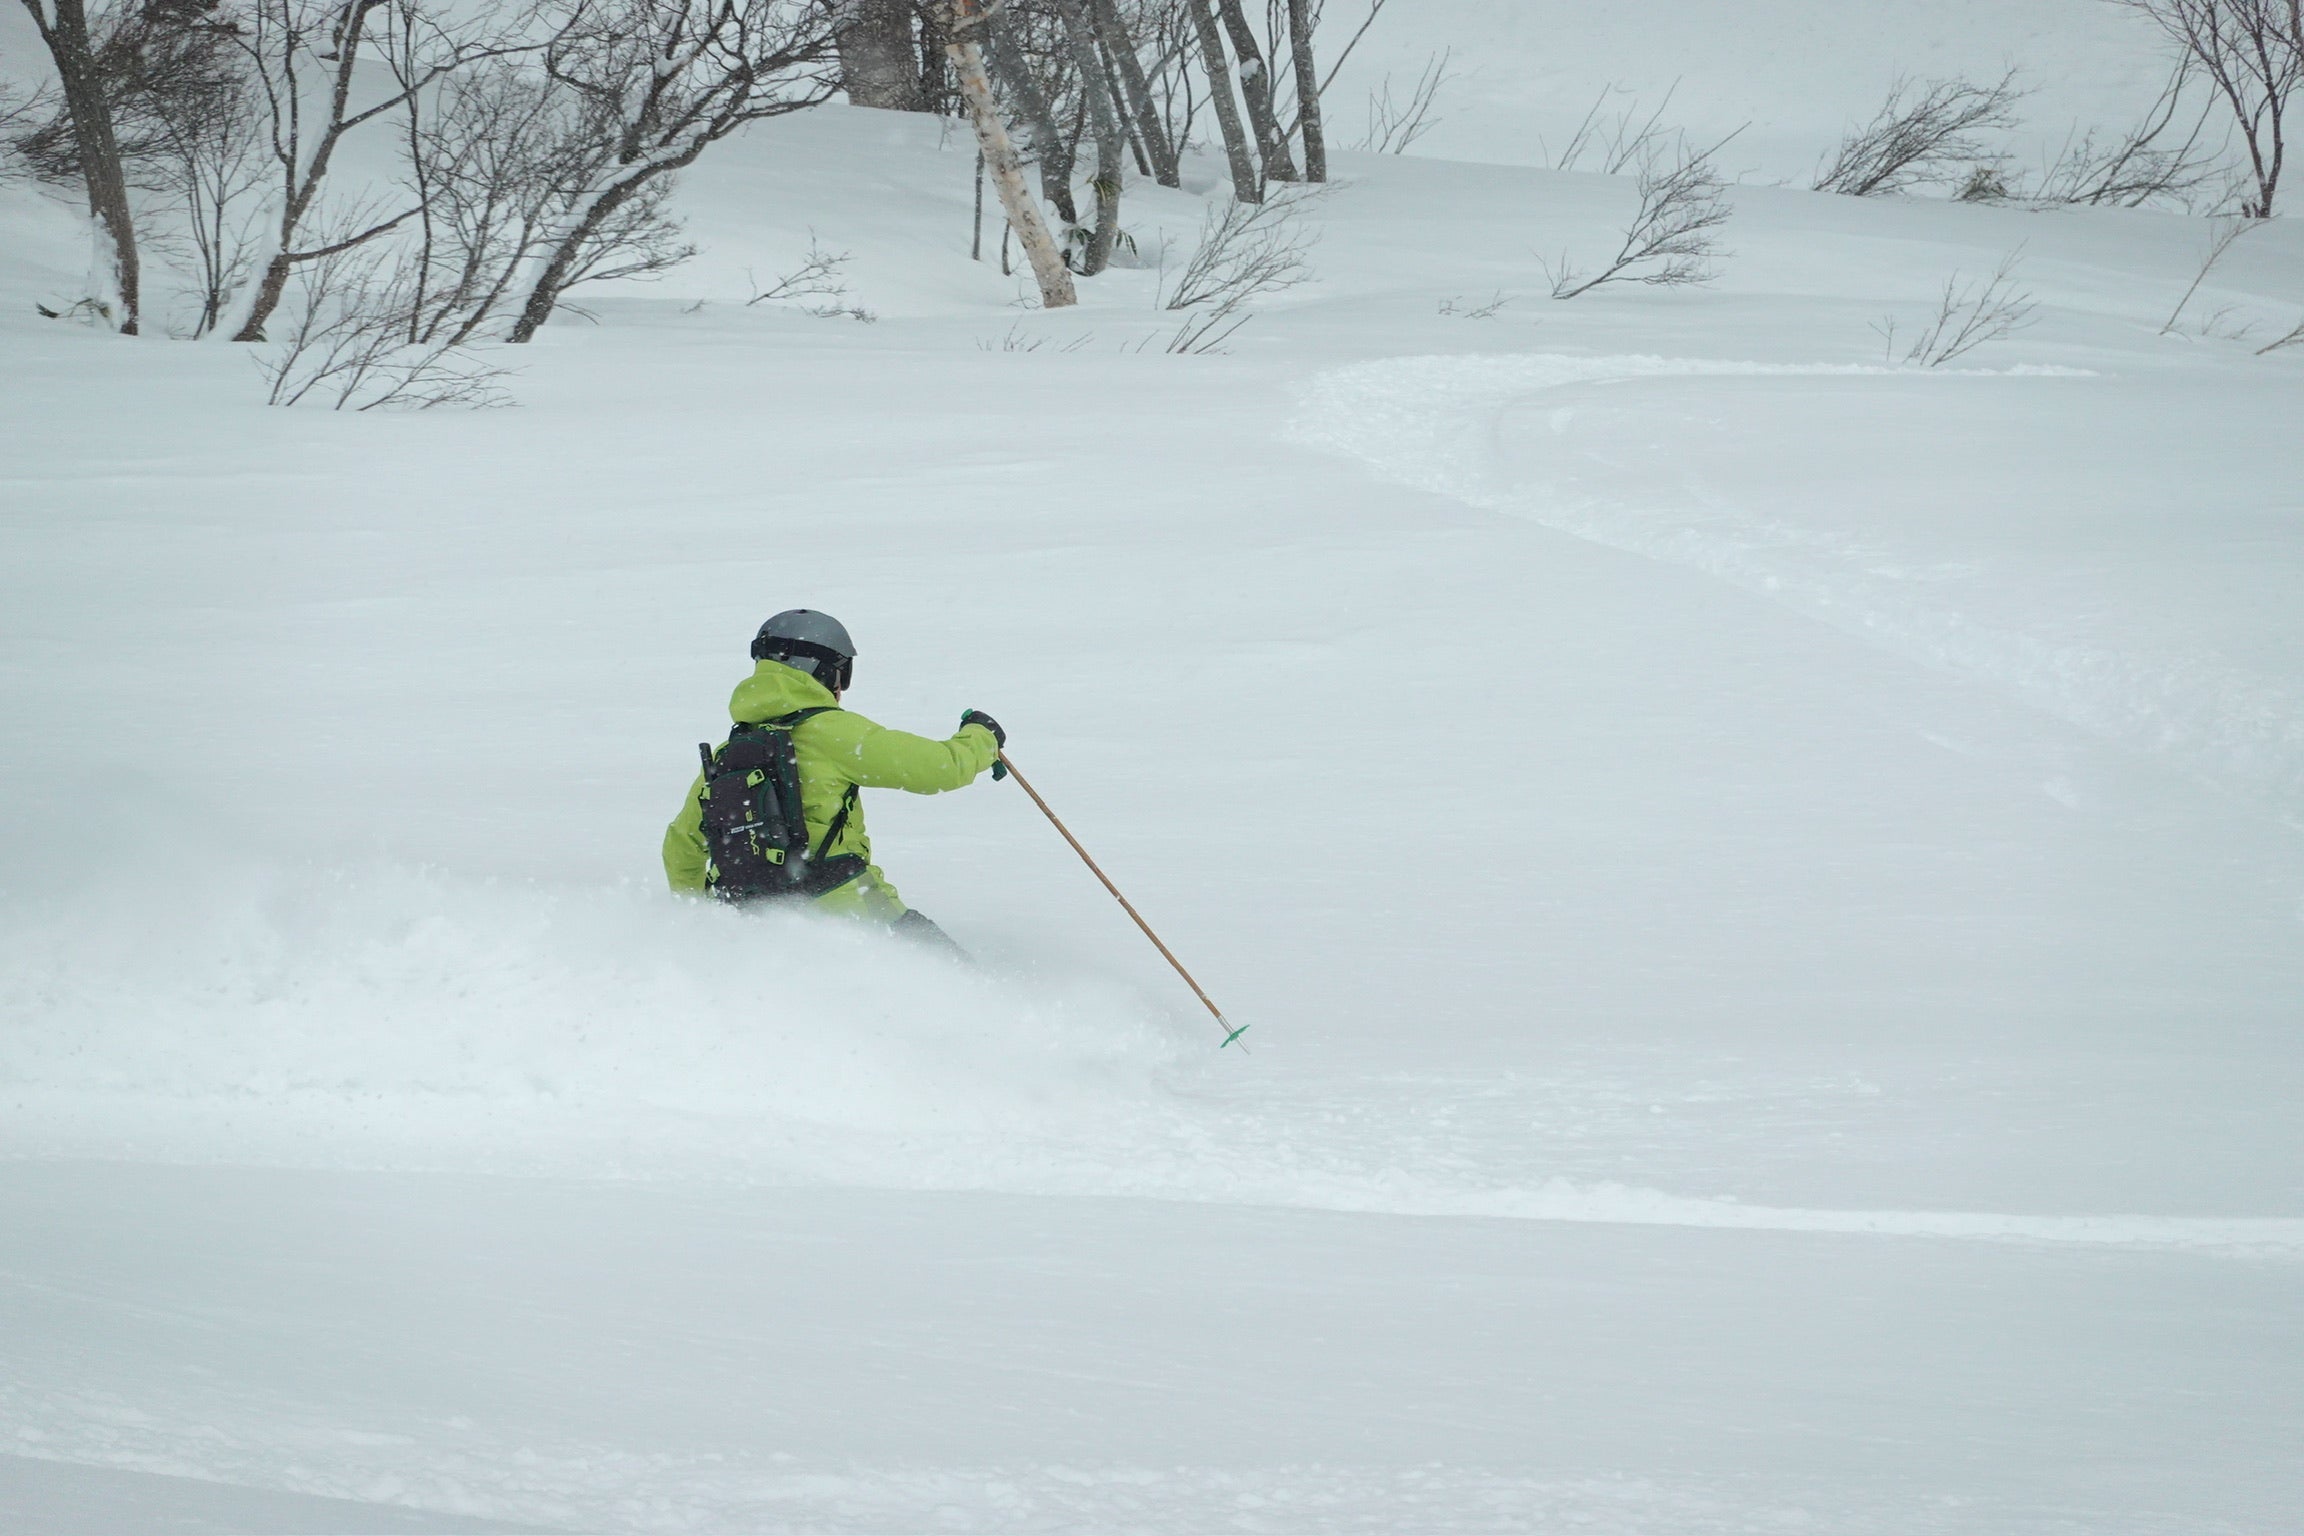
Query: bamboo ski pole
<point>1230,1034</point>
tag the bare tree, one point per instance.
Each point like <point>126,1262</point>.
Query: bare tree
<point>158,63</point>
<point>495,166</point>
<point>297,49</point>
<point>671,78</point>
<point>183,128</point>
<point>2158,159</point>
<point>2252,52</point>
<point>1395,126</point>
<point>22,113</point>
<point>1246,185</point>
<point>1096,254</point>
<point>818,278</point>
<point>1673,239</point>
<point>1004,56</point>
<point>963,22</point>
<point>346,343</point>
<point>1923,133</point>
<point>1968,314</point>
<point>1171,41</point>
<point>63,27</point>
<point>210,158</point>
<point>1246,250</point>
<point>939,85</point>
<point>2226,234</point>
<point>1620,140</point>
<point>1303,16</point>
<point>1344,54</point>
<point>1256,88</point>
<point>1120,46</point>
<point>879,66</point>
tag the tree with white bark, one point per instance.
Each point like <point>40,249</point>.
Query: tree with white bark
<point>964,23</point>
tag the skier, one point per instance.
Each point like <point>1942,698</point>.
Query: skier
<point>731,839</point>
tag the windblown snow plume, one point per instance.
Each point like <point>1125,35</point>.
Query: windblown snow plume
<point>395,1017</point>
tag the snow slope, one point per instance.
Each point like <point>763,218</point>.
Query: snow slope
<point>1766,884</point>
<point>1787,77</point>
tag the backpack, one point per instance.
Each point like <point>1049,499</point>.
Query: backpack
<point>754,830</point>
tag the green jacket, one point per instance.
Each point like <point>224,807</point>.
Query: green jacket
<point>834,750</point>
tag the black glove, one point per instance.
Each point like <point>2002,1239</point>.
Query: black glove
<point>999,738</point>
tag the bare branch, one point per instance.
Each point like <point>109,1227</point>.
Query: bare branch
<point>661,81</point>
<point>1375,9</point>
<point>1204,334</point>
<point>1968,315</point>
<point>1394,127</point>
<point>1921,135</point>
<point>2292,338</point>
<point>1485,309</point>
<point>817,277</point>
<point>347,346</point>
<point>2145,164</point>
<point>1673,240</point>
<point>1624,140</point>
<point>2227,232</point>
<point>2252,52</point>
<point>1247,250</point>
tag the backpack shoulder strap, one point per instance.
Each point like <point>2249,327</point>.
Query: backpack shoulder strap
<point>839,823</point>
<point>847,809</point>
<point>748,728</point>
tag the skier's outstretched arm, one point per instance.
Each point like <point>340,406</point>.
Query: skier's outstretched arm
<point>879,758</point>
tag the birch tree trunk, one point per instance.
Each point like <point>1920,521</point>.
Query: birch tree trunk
<point>1130,68</point>
<point>98,149</point>
<point>1096,86</point>
<point>1246,187</point>
<point>1256,86</point>
<point>1307,90</point>
<point>965,17</point>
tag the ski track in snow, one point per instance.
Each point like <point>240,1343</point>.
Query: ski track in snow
<point>570,1487</point>
<point>401,1019</point>
<point>1431,423</point>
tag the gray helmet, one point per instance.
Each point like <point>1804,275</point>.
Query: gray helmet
<point>816,643</point>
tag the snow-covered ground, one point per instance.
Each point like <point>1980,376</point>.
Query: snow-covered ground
<point>1768,887</point>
